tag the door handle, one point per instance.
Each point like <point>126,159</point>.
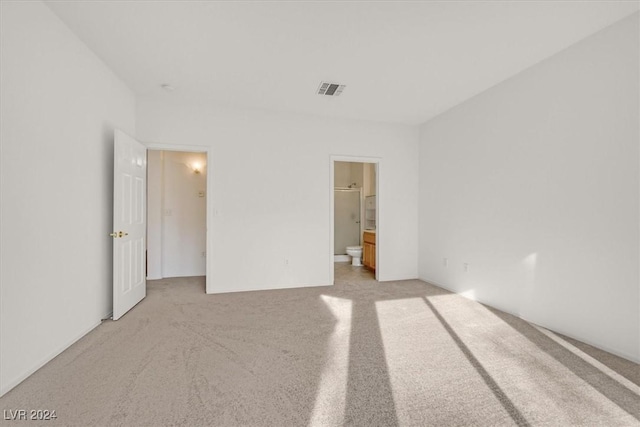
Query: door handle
<point>118,234</point>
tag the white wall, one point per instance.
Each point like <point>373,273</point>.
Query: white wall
<point>357,174</point>
<point>342,174</point>
<point>60,104</point>
<point>369,178</point>
<point>534,183</point>
<point>271,194</point>
<point>154,214</point>
<point>347,174</point>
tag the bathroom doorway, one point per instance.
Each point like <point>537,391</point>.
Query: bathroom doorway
<point>354,214</point>
<point>177,215</point>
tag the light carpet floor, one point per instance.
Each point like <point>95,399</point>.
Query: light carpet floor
<point>358,353</point>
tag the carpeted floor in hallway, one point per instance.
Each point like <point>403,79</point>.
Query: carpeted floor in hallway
<point>357,353</point>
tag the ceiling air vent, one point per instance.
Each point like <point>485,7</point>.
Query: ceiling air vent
<point>330,89</point>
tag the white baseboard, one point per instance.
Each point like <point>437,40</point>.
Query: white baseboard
<point>397,278</point>
<point>7,387</point>
<point>271,288</point>
<point>618,353</point>
<point>341,258</point>
<point>176,276</point>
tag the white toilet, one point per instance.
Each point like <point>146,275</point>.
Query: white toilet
<point>356,254</point>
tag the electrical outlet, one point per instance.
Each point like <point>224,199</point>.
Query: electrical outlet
<point>286,261</point>
<point>466,267</point>
<point>445,262</point>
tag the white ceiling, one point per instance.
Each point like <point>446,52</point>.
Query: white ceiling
<point>402,62</point>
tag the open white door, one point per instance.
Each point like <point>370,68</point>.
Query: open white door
<point>129,223</point>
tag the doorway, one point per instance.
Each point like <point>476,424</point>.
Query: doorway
<point>354,219</point>
<point>177,195</point>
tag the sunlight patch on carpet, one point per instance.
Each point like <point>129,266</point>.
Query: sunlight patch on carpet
<point>592,361</point>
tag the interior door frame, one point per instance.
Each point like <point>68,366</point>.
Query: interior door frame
<point>354,159</point>
<point>209,204</point>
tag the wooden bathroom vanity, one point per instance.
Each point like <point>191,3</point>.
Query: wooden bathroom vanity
<point>369,249</point>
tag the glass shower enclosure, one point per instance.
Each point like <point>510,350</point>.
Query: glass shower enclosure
<point>347,217</point>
